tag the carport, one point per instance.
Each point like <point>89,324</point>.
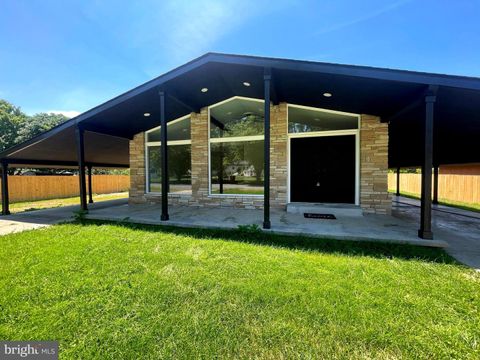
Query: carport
<point>433,119</point>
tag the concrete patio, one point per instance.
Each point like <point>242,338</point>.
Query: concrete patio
<point>455,229</point>
<point>359,228</point>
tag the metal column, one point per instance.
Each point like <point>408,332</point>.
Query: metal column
<point>5,200</point>
<point>425,230</point>
<point>398,181</point>
<point>267,77</point>
<point>79,132</point>
<point>164,156</point>
<point>90,193</point>
<point>435,185</point>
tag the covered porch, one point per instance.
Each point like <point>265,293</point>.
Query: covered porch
<point>370,227</point>
<point>432,119</point>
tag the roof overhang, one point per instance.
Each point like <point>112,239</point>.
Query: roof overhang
<point>393,95</point>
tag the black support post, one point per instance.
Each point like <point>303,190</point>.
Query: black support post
<point>5,200</point>
<point>425,230</point>
<point>90,193</point>
<point>267,77</point>
<point>398,181</point>
<point>164,156</point>
<point>435,185</point>
<point>79,132</point>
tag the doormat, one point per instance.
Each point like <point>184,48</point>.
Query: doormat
<point>319,216</point>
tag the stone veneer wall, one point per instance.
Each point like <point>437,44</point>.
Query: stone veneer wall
<point>278,156</point>
<point>278,164</point>
<point>137,169</point>
<point>374,196</point>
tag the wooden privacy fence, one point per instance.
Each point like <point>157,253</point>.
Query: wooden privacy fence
<point>462,188</point>
<point>27,188</point>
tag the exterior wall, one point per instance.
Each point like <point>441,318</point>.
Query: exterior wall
<point>278,156</point>
<point>460,169</point>
<point>200,181</point>
<point>199,126</point>
<point>374,196</point>
<point>137,169</point>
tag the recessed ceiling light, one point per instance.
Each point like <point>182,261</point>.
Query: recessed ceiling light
<point>246,83</point>
<point>204,90</point>
<point>327,94</point>
<point>146,114</point>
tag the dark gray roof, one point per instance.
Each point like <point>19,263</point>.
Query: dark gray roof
<point>356,89</point>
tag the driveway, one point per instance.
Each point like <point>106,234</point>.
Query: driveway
<point>36,219</point>
<point>459,228</point>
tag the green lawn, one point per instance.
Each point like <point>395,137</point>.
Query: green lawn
<point>53,203</point>
<point>240,191</point>
<point>111,291</point>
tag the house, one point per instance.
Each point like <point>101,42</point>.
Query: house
<point>460,169</point>
<point>255,132</point>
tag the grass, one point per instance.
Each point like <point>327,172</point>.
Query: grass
<point>118,291</point>
<point>53,203</point>
<point>239,191</point>
<point>453,203</point>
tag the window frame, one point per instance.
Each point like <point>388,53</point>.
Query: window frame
<point>148,144</point>
<point>229,139</point>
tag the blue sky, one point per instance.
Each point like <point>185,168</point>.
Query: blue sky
<point>73,55</point>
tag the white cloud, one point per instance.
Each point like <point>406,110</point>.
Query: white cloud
<point>174,31</point>
<point>197,26</point>
<point>67,113</point>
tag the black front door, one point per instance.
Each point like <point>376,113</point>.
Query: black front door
<point>322,169</point>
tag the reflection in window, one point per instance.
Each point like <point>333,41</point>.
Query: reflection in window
<point>237,167</point>
<point>179,158</point>
<point>177,130</point>
<point>179,169</point>
<point>235,118</point>
<point>236,147</point>
<point>302,120</point>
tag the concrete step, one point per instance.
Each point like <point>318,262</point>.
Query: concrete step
<point>339,210</point>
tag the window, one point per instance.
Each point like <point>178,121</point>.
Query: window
<point>304,120</point>
<point>179,158</point>
<point>236,147</point>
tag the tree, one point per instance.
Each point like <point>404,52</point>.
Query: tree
<point>37,124</point>
<point>11,120</point>
<point>17,127</point>
<point>181,161</point>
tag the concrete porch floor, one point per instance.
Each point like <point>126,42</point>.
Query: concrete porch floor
<point>380,228</point>
<point>457,229</point>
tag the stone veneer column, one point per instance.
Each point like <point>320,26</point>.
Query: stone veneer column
<point>278,156</point>
<point>374,196</point>
<point>199,131</point>
<point>137,169</point>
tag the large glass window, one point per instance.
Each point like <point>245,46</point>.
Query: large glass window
<point>303,120</point>
<point>236,147</point>
<point>179,158</point>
